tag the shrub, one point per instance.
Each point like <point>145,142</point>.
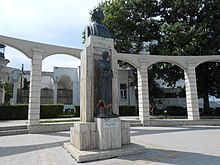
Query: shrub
<point>127,110</point>
<point>50,110</point>
<point>76,111</point>
<point>210,112</point>
<point>14,112</point>
<point>124,110</point>
<point>217,111</point>
<point>176,111</point>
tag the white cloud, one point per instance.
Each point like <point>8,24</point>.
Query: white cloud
<point>47,21</point>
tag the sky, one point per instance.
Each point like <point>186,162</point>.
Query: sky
<point>58,22</point>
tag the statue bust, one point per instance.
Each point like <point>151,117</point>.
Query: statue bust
<point>97,28</point>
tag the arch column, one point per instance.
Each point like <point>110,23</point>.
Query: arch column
<point>191,92</point>
<point>143,93</point>
<point>55,92</point>
<point>15,91</point>
<point>75,93</point>
<point>35,85</point>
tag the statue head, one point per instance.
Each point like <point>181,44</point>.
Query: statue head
<point>97,15</point>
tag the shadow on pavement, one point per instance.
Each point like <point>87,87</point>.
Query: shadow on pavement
<point>145,131</point>
<point>172,157</point>
<point>12,150</point>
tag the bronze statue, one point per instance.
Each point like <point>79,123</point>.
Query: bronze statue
<point>104,86</point>
<point>105,78</point>
<point>97,28</point>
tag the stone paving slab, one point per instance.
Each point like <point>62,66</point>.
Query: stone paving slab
<point>181,145</point>
<point>85,156</point>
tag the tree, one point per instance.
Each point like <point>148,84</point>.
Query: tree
<point>132,23</point>
<point>1,85</point>
<point>8,92</point>
<point>192,28</point>
<point>186,27</point>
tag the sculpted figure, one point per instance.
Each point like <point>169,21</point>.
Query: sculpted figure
<point>104,84</point>
<point>97,28</point>
<point>105,78</point>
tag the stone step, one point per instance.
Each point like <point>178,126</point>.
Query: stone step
<point>13,130</point>
<point>6,128</point>
<point>135,123</point>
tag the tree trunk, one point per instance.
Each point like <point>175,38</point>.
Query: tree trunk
<point>206,102</point>
<point>205,90</point>
<point>152,105</point>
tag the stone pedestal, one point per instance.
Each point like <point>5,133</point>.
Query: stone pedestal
<point>108,133</point>
<point>102,139</point>
<point>83,135</point>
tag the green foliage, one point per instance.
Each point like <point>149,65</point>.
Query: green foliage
<point>127,110</point>
<point>14,112</point>
<point>1,85</point>
<point>217,111</point>
<point>50,110</point>
<point>176,111</point>
<point>76,111</point>
<point>132,23</point>
<point>26,84</point>
<point>20,111</point>
<point>8,92</point>
<point>186,27</point>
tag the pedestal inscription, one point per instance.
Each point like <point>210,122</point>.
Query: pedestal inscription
<point>108,133</point>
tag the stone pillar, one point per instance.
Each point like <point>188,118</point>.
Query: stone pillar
<point>115,83</point>
<point>15,91</point>
<point>16,75</point>
<point>143,93</point>
<point>35,87</point>
<point>75,93</point>
<point>94,46</point>
<point>55,92</point>
<point>2,96</point>
<point>191,92</point>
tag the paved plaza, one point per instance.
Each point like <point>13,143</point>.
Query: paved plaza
<point>183,145</point>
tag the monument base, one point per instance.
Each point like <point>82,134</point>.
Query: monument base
<point>102,139</point>
<point>96,154</point>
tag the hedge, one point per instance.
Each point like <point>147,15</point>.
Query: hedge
<point>124,110</point>
<point>176,111</point>
<point>217,111</point>
<point>20,111</point>
<point>14,112</point>
<point>50,111</point>
<point>127,110</point>
<point>76,111</point>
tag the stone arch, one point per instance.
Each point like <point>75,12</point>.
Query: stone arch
<point>163,96</point>
<point>64,82</point>
<point>47,85</point>
<point>127,84</point>
<point>56,59</point>
<point>64,90</point>
<point>207,74</point>
<point>16,47</point>
<point>212,59</point>
<point>47,80</point>
<point>168,61</point>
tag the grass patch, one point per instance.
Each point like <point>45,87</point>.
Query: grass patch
<point>58,121</point>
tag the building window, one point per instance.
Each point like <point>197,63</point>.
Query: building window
<point>123,90</point>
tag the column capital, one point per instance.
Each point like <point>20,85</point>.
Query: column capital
<point>37,51</point>
<point>191,63</point>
